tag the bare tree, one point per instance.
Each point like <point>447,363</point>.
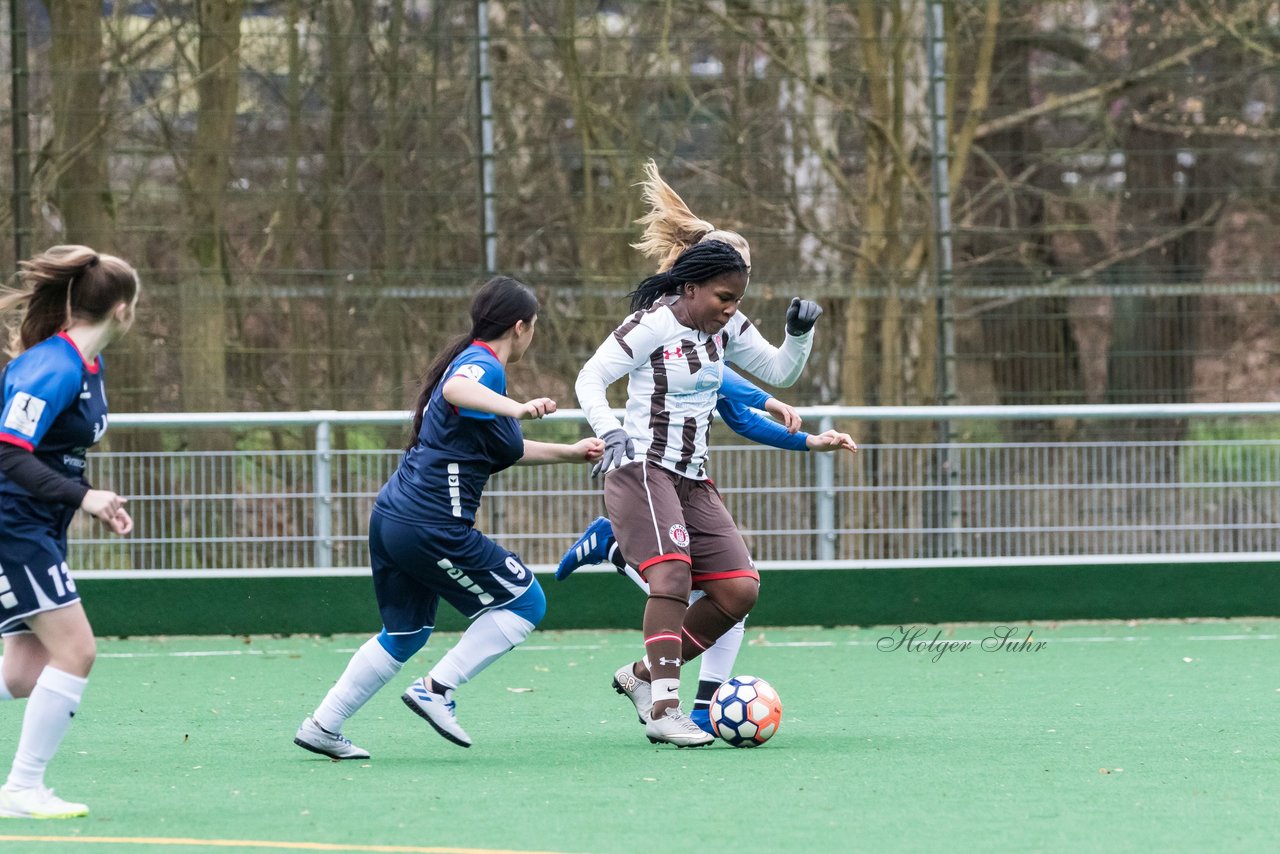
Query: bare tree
<point>202,294</point>
<point>78,156</point>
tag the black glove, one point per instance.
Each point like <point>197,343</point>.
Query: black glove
<point>617,444</point>
<point>801,315</point>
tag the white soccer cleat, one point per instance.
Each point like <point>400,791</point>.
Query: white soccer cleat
<point>635,689</point>
<point>675,727</point>
<point>437,711</point>
<point>311,736</point>
<point>37,802</point>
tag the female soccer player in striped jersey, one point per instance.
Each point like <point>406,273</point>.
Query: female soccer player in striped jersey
<point>422,535</point>
<point>55,408</point>
<point>670,228</point>
<point>738,407</point>
<point>666,514</point>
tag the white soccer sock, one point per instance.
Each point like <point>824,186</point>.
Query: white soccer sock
<point>717,660</point>
<point>487,639</point>
<point>5,693</point>
<point>369,669</point>
<point>49,711</point>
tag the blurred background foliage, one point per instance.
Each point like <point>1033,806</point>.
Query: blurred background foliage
<point>299,183</point>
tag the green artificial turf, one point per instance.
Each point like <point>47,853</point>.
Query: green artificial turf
<point>1107,737</point>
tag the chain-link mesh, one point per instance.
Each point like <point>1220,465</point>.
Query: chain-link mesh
<point>304,195</point>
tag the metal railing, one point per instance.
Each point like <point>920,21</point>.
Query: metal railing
<point>1019,484</point>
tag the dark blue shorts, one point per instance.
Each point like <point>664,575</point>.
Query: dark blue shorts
<point>414,567</point>
<point>33,565</point>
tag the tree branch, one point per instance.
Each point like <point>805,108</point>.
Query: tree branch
<point>1056,103</point>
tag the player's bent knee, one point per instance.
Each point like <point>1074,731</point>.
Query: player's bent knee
<point>670,579</point>
<point>530,605</point>
<point>737,597</point>
<point>78,656</point>
<point>403,647</point>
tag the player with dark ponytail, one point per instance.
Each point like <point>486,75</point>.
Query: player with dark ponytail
<point>76,302</point>
<point>422,535</point>
<point>497,307</point>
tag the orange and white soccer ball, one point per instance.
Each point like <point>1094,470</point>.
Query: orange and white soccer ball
<point>746,711</point>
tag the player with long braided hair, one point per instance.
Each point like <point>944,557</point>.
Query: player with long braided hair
<point>666,513</point>
<point>670,228</point>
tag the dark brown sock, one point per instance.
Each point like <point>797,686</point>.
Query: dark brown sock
<point>663,616</point>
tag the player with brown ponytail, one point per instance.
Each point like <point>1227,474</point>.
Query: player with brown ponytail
<point>75,303</point>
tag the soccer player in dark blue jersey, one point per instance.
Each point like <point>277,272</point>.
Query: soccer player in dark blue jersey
<point>422,535</point>
<point>55,408</point>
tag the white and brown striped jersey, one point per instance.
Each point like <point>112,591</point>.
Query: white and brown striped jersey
<point>673,377</point>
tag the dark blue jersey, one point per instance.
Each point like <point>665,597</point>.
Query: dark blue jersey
<point>55,405</point>
<point>440,478</point>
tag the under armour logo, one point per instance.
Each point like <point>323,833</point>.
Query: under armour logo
<point>677,353</point>
<point>675,661</point>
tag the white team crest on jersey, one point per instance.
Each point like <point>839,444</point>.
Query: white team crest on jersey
<point>474,372</point>
<point>24,414</point>
<point>679,535</point>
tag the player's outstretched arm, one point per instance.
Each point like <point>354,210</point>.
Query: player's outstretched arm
<point>754,425</point>
<point>544,453</point>
<point>465,393</point>
<point>740,390</point>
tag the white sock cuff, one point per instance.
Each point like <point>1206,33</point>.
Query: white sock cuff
<point>62,683</point>
<point>665,689</point>
<point>375,656</point>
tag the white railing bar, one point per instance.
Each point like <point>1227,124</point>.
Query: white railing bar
<point>1100,411</point>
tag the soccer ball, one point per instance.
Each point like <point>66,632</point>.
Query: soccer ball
<point>746,711</point>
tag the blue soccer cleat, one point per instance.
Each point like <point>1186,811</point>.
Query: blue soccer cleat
<point>702,717</point>
<point>591,547</point>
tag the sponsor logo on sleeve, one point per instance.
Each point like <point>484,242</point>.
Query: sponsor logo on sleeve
<point>24,414</point>
<point>475,372</point>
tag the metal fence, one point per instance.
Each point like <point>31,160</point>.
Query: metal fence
<point>1093,483</point>
<point>310,211</point>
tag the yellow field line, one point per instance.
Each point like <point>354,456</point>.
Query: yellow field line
<point>261,843</point>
